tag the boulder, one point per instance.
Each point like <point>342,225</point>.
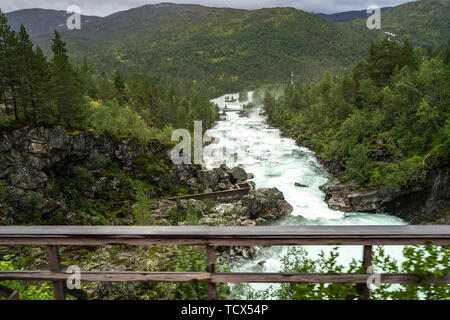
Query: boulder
<point>238,174</point>
<point>208,178</point>
<point>297,184</point>
<point>266,203</point>
<point>192,206</point>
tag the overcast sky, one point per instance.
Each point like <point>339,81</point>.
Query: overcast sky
<point>106,7</point>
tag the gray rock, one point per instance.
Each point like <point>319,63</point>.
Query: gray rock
<point>263,203</point>
<point>297,184</point>
<point>238,174</point>
<point>31,158</point>
<point>208,178</point>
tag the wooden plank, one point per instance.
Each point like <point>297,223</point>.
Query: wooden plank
<point>225,195</point>
<point>226,236</point>
<point>113,276</point>
<point>363,288</point>
<point>320,278</point>
<point>94,240</point>
<point>54,265</point>
<point>246,277</point>
<point>211,268</point>
<point>249,232</point>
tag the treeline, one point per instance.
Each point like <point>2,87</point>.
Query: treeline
<point>36,90</point>
<point>384,122</point>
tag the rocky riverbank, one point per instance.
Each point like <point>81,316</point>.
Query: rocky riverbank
<point>52,176</point>
<point>424,200</point>
<point>46,173</point>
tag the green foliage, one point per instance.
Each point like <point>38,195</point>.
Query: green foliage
<point>243,96</point>
<point>297,261</point>
<point>27,290</point>
<point>154,165</point>
<point>175,217</point>
<point>38,92</point>
<point>69,104</point>
<point>425,261</point>
<point>193,259</point>
<point>2,193</point>
<point>220,48</point>
<point>141,211</point>
<point>395,175</point>
<point>381,121</point>
<point>119,122</point>
<point>358,163</point>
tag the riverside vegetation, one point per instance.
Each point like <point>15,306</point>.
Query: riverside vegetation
<point>100,158</point>
<point>384,126</point>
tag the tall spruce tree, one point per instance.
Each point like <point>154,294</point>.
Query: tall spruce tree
<point>25,71</point>
<point>41,101</point>
<point>69,103</point>
<point>8,75</point>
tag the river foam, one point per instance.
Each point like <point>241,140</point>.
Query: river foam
<point>277,161</point>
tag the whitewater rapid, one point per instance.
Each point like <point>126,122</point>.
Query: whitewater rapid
<point>277,161</point>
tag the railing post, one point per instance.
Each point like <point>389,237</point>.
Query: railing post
<point>364,291</point>
<point>211,267</point>
<point>53,264</point>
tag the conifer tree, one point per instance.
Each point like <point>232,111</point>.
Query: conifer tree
<point>66,87</point>
<point>8,78</point>
<point>25,71</point>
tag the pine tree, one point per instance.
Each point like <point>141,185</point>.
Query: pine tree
<point>119,86</point>
<point>8,77</point>
<point>41,98</point>
<point>25,71</point>
<point>66,87</point>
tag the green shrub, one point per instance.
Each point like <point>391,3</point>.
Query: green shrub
<point>27,290</point>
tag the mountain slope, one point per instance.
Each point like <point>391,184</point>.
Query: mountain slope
<point>424,22</point>
<point>42,21</point>
<point>348,16</point>
<point>228,48</point>
<point>231,48</point>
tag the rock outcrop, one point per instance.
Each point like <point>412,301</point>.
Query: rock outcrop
<point>425,200</point>
<point>30,159</point>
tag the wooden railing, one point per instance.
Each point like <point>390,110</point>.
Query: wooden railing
<point>210,237</point>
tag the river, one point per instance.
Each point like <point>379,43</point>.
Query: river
<point>277,161</point>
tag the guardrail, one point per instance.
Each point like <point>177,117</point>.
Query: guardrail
<point>367,236</point>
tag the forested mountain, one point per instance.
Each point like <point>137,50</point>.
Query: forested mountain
<point>34,90</point>
<point>423,23</point>
<point>231,49</point>
<point>348,16</point>
<point>42,21</point>
<point>227,48</point>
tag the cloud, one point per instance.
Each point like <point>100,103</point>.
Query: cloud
<point>106,7</point>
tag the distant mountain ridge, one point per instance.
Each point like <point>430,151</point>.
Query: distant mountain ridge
<point>232,48</point>
<point>43,21</point>
<point>227,48</point>
<point>348,16</point>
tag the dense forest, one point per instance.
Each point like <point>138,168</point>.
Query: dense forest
<point>224,49</point>
<point>384,121</point>
<point>229,49</point>
<point>37,91</point>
